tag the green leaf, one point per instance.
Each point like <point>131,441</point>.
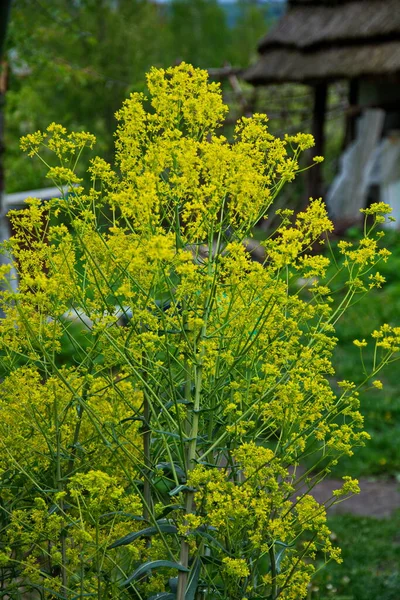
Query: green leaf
<point>163,596</point>
<point>193,580</point>
<point>123,514</point>
<point>280,554</point>
<point>167,433</point>
<point>57,509</point>
<point>164,527</point>
<point>168,469</point>
<point>170,404</point>
<point>169,508</point>
<point>163,484</point>
<point>131,419</point>
<point>181,488</point>
<point>155,564</point>
<point>264,562</point>
<point>204,534</point>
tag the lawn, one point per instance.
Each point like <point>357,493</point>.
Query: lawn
<point>370,547</point>
<point>381,408</point>
<point>371,561</point>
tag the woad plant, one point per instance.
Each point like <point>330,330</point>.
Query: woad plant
<point>163,457</point>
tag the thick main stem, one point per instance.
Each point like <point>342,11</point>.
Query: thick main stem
<point>146,450</point>
<point>274,589</point>
<point>59,485</point>
<point>147,458</point>
<point>190,456</point>
<point>194,430</point>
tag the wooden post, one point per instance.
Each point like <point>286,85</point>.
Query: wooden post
<point>318,130</point>
<point>352,113</point>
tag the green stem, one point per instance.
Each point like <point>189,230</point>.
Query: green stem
<point>147,458</point>
<point>98,566</point>
<point>274,588</point>
<point>64,580</point>
<point>191,455</point>
<point>190,463</point>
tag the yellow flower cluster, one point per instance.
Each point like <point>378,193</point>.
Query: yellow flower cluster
<point>350,486</point>
<point>57,140</point>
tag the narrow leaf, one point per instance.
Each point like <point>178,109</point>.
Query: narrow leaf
<point>155,564</point>
<point>211,539</point>
<point>123,514</point>
<point>173,584</point>
<point>168,468</point>
<point>169,508</point>
<point>149,531</point>
<point>168,433</point>
<point>211,560</point>
<point>280,554</point>
<point>56,508</point>
<point>170,404</point>
<point>193,580</point>
<point>181,488</point>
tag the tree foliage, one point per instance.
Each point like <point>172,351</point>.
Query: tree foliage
<point>75,62</point>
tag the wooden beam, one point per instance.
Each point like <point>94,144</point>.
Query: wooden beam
<point>315,183</point>
<point>352,113</point>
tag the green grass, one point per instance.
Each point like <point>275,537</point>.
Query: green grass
<point>370,547</point>
<point>381,408</point>
<point>371,561</point>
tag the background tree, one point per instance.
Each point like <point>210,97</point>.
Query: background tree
<point>249,27</point>
<point>80,60</point>
<point>78,63</point>
<point>4,16</point>
<point>200,33</point>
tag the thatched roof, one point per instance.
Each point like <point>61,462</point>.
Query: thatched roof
<point>331,39</point>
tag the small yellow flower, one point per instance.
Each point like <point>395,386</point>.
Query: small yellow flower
<point>350,486</point>
<point>360,343</point>
<point>236,567</point>
<point>378,384</point>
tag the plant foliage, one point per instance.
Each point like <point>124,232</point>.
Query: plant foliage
<point>162,461</point>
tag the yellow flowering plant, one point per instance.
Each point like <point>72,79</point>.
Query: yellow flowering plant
<point>162,461</point>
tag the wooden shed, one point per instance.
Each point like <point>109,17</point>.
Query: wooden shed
<point>320,41</point>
